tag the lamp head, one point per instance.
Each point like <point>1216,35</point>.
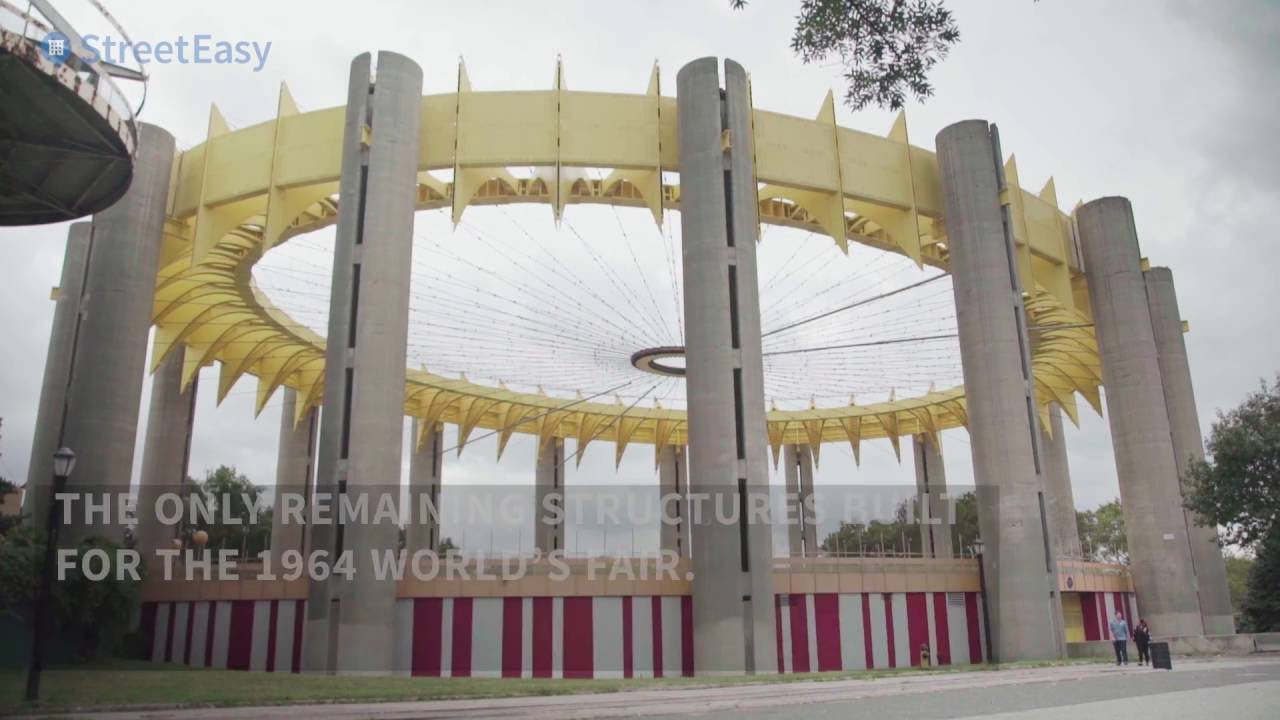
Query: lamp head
<point>64,461</point>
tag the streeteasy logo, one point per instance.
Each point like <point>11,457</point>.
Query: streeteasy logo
<point>200,49</point>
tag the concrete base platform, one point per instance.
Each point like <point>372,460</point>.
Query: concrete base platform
<point>1240,644</point>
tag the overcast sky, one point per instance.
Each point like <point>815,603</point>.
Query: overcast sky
<point>1172,104</point>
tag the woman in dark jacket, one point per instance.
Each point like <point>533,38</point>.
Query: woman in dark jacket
<point>1142,638</point>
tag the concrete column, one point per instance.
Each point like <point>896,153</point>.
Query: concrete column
<point>802,533</point>
<point>1020,571</point>
<point>165,453</point>
<point>548,529</point>
<point>1188,446</point>
<point>733,602</point>
<point>673,489</point>
<point>109,366</point>
<point>50,413</point>
<point>1159,551</point>
<point>931,488</point>
<point>295,463</point>
<point>1059,503</point>
<point>425,464</point>
<point>348,627</point>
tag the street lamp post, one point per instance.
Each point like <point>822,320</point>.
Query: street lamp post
<point>978,548</point>
<point>64,461</point>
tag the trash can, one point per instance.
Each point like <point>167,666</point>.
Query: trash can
<point>1160,656</point>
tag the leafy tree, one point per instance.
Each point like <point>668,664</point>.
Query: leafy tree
<point>887,47</point>
<point>8,521</point>
<point>965,528</point>
<point>1102,534</point>
<point>1238,578</point>
<point>228,493</point>
<point>1238,488</point>
<point>90,616</point>
<point>877,537</point>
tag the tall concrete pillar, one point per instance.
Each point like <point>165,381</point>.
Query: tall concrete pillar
<point>548,528</point>
<point>1058,499</point>
<point>51,412</point>
<point>295,465</point>
<point>425,464</point>
<point>673,490</point>
<point>1021,579</point>
<point>1159,550</point>
<point>733,605</point>
<point>1188,446</point>
<point>167,448</point>
<point>109,366</point>
<point>931,488</point>
<point>361,430</point>
<point>802,532</point>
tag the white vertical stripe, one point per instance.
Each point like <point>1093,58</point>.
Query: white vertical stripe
<point>446,637</point>
<point>285,614</point>
<point>642,636</point>
<point>486,637</point>
<point>901,638</point>
<point>811,618</point>
<point>788,662</point>
<point>557,637</point>
<point>261,634</point>
<point>199,631</point>
<point>161,635</point>
<point>402,662</point>
<point>526,637</point>
<point>672,664</point>
<point>606,637</point>
<point>958,632</point>
<point>879,632</point>
<point>221,634</point>
<point>933,629</point>
<point>180,631</point>
<point>853,652</point>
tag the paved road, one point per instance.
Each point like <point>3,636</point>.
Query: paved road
<point>1238,688</point>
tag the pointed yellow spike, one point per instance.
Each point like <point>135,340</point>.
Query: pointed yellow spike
<point>899,130</point>
<point>853,430</point>
<point>300,409</point>
<point>777,431</point>
<point>1049,193</point>
<point>827,113</point>
<point>190,366</point>
<point>217,123</point>
<point>464,82</point>
<point>654,82</point>
<point>277,213</point>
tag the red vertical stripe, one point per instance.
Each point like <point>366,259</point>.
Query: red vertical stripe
<point>542,614</point>
<point>168,633</point>
<point>917,625</point>
<point>460,662</point>
<point>271,635</point>
<point>866,631</point>
<point>578,632</point>
<point>1118,599</point>
<point>191,622</point>
<point>299,608</point>
<point>826,622</point>
<point>657,636</point>
<point>686,635</point>
<point>1089,613</point>
<point>628,644</point>
<point>512,636</point>
<point>777,631</point>
<point>149,626</point>
<point>975,630</point>
<point>428,614</point>
<point>1100,599</point>
<point>208,633</point>
<point>942,627</point>
<point>888,629</point>
<point>799,634</point>
<point>240,644</point>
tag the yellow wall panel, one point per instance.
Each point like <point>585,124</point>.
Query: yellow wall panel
<point>795,152</point>
<point>608,130</point>
<point>310,147</point>
<point>874,169</point>
<point>239,164</point>
<point>439,120</point>
<point>507,129</point>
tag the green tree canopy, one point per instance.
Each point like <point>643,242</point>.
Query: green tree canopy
<point>1102,534</point>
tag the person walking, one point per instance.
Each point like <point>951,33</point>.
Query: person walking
<point>1142,638</point>
<point>1120,638</point>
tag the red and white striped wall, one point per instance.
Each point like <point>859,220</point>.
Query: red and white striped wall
<point>582,637</point>
<point>1099,607</point>
<point>858,631</point>
<point>551,637</point>
<point>227,634</point>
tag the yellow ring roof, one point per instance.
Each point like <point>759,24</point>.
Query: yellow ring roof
<point>243,192</point>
